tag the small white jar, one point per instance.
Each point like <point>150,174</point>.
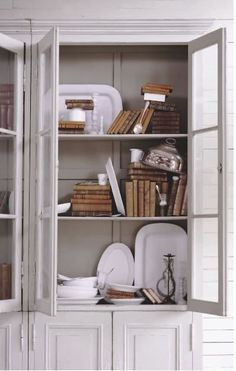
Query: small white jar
<point>76,114</point>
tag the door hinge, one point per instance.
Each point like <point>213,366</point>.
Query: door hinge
<point>22,337</point>
<point>22,274</point>
<point>220,168</point>
<point>24,77</point>
<point>33,337</point>
<point>191,337</point>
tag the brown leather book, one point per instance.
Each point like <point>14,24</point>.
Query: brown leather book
<point>5,281</point>
<point>174,186</point>
<point>121,122</point>
<point>132,122</point>
<point>90,192</point>
<point>129,198</point>
<point>91,187</point>
<point>91,197</point>
<point>152,211</point>
<point>146,198</point>
<point>126,122</point>
<point>180,195</point>
<point>116,120</point>
<point>90,201</point>
<point>141,198</point>
<point>147,120</point>
<point>154,178</point>
<point>91,207</point>
<point>135,194</point>
<point>91,213</point>
<point>184,208</point>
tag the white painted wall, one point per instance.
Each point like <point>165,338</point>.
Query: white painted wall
<point>119,9</point>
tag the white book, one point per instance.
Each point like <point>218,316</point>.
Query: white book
<point>155,97</point>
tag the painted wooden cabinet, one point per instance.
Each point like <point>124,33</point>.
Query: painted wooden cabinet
<point>65,244</point>
<point>122,340</point>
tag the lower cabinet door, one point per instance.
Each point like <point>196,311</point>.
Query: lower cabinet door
<point>71,341</point>
<point>13,341</point>
<point>152,341</point>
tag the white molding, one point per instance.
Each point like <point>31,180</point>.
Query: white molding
<point>7,333</point>
<point>111,26</point>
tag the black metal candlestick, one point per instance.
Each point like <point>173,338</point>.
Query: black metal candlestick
<point>167,275</point>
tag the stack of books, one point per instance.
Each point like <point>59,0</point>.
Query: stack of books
<point>4,198</point>
<point>162,106</point>
<point>177,200</point>
<point>7,106</point>
<point>85,104</point>
<point>165,122</point>
<point>91,199</point>
<point>156,92</point>
<point>71,127</point>
<point>119,294</point>
<point>140,171</point>
<point>150,295</point>
<point>5,281</point>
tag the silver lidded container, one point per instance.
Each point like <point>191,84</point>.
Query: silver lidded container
<point>164,156</point>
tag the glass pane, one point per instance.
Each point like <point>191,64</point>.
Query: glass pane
<point>205,259</point>
<point>205,173</point>
<point>7,175</point>
<point>46,89</point>
<point>7,261</point>
<point>7,89</point>
<point>44,258</point>
<point>205,87</point>
<point>46,174</point>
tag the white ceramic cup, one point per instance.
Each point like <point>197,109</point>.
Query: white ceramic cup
<point>136,154</point>
<point>76,114</point>
<point>102,179</point>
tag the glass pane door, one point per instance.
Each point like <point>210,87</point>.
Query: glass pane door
<point>206,291</point>
<point>11,147</point>
<point>46,258</point>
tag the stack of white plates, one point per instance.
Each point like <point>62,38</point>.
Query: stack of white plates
<point>78,288</point>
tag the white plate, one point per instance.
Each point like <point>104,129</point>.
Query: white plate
<point>125,288</point>
<point>109,102</point>
<point>117,259</point>
<point>63,208</point>
<point>132,301</point>
<point>76,292</point>
<point>114,186</point>
<point>74,301</point>
<point>152,242</point>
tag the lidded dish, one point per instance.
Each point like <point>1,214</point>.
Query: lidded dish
<point>164,156</point>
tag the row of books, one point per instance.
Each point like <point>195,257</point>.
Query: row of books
<point>140,198</point>
<point>4,198</point>
<point>91,199</point>
<point>5,281</point>
<point>6,106</point>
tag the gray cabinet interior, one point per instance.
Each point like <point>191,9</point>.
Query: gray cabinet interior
<point>81,243</point>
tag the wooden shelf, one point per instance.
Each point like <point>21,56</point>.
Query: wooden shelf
<point>7,216</point>
<point>119,136</point>
<point>121,218</point>
<point>72,306</point>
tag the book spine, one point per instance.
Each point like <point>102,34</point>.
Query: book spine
<point>175,181</point>
<point>91,197</point>
<point>141,198</point>
<point>179,195</point>
<point>90,201</point>
<point>91,207</point>
<point>152,198</point>
<point>184,208</point>
<point>146,198</point>
<point>88,187</point>
<point>5,281</point>
<point>91,213</point>
<point>90,192</point>
<point>113,125</point>
<point>129,198</point>
<point>148,296</point>
<point>135,191</point>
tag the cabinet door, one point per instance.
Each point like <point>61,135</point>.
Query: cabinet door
<point>46,178</point>
<point>206,227</point>
<point>11,149</point>
<point>152,341</point>
<point>13,341</point>
<point>71,341</point>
